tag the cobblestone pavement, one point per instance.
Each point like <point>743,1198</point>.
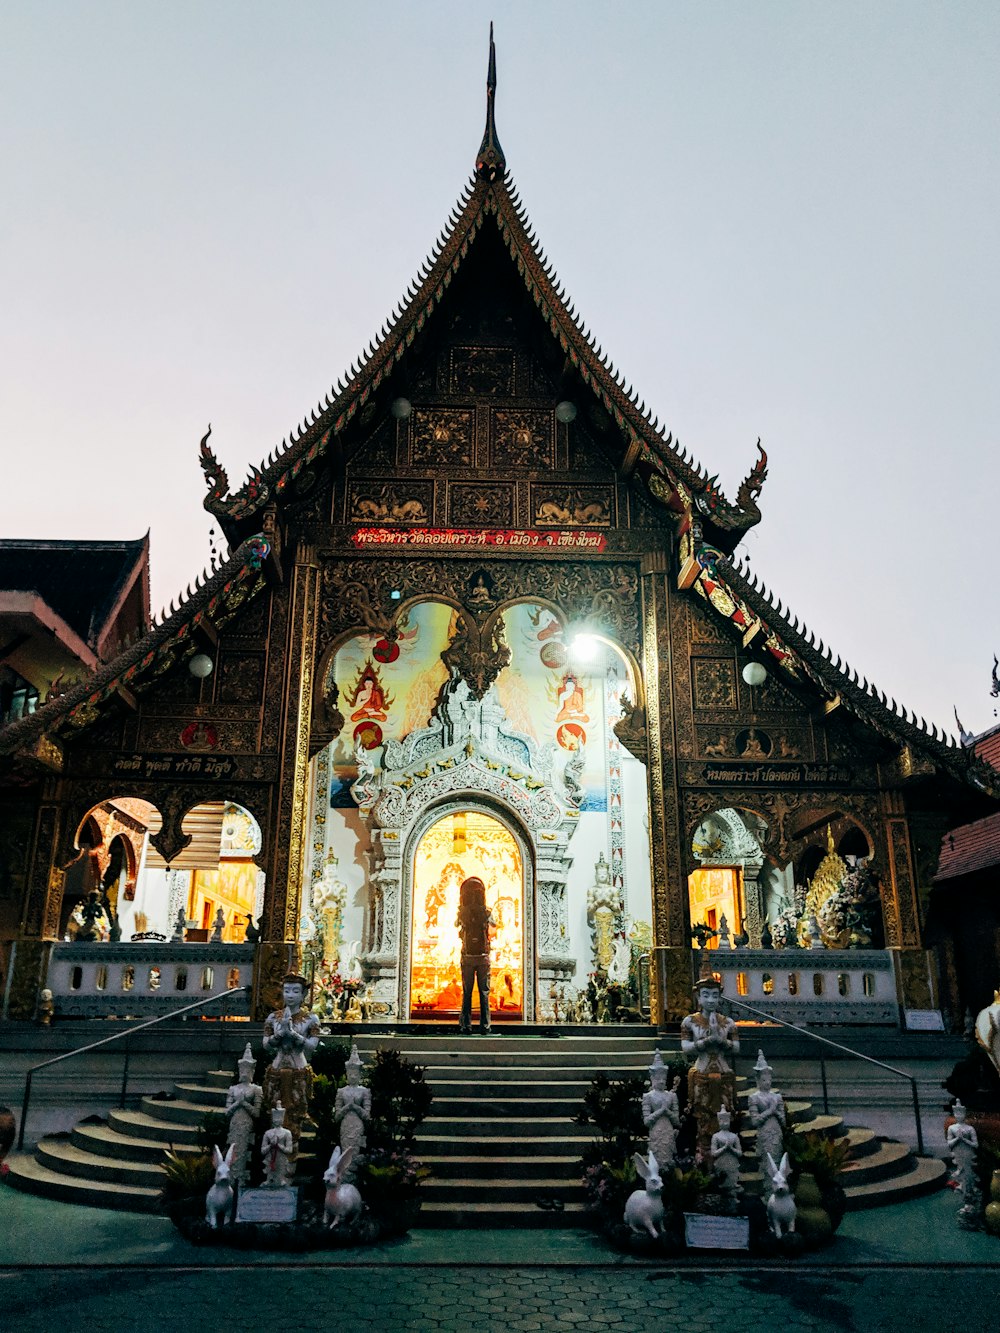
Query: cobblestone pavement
<point>472,1298</point>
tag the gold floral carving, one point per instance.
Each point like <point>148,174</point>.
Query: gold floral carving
<point>441,436</point>
<point>713,682</point>
<point>482,371</point>
<point>522,439</point>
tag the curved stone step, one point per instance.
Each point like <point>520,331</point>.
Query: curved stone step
<point>33,1178</point>
<point>143,1125</point>
<point>890,1160</point>
<point>926,1175</point>
<point>103,1141</point>
<point>175,1110</point>
<point>213,1099</point>
<point>60,1154</point>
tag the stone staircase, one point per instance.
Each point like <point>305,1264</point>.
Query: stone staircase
<point>500,1139</point>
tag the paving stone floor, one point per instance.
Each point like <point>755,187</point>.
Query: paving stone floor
<point>66,1269</point>
<point>460,1300</point>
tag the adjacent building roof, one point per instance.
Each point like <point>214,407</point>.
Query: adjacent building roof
<point>84,582</point>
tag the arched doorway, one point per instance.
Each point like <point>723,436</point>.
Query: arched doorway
<point>461,843</point>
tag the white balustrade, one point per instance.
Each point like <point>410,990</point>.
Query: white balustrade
<point>97,980</point>
<point>810,985</point>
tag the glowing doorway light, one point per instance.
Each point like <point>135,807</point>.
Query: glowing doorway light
<point>584,646</point>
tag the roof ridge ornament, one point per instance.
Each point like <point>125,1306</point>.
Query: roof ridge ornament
<point>490,161</point>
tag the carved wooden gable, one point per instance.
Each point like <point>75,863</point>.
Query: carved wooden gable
<point>478,442</point>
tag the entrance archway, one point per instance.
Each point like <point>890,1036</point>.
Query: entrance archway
<point>461,843</point>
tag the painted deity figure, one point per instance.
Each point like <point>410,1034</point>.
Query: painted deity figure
<point>353,1110</point>
<point>277,1149</point>
<point>291,1034</point>
<point>963,1144</point>
<point>712,1039</point>
<point>661,1113</point>
<point>766,1109</point>
<point>725,1151</point>
<point>244,1101</point>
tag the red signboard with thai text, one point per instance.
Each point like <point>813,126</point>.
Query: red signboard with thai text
<point>516,539</point>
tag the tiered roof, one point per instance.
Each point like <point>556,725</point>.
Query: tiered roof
<point>712,524</point>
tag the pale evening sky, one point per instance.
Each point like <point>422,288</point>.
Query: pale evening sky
<point>779,218</point>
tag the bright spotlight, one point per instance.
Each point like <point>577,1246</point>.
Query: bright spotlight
<point>585,647</point>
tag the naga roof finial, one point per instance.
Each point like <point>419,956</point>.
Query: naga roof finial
<point>490,161</point>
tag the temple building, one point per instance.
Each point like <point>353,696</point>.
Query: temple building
<point>482,616</point>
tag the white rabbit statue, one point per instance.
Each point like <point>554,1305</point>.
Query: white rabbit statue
<point>781,1204</point>
<point>219,1198</point>
<point>343,1202</point>
<point>644,1208</point>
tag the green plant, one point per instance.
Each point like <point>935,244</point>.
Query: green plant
<point>819,1155</point>
<point>683,1190</point>
<point>614,1107</point>
<point>330,1059</point>
<point>401,1099</point>
<point>187,1175</point>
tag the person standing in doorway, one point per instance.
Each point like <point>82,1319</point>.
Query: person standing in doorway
<point>474,922</point>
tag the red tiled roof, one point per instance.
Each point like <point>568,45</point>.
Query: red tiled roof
<point>972,847</point>
<point>988,748</point>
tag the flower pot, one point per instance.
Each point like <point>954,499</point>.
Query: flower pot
<point>812,1221</point>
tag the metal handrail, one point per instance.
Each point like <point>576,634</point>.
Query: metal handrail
<point>116,1036</point>
<point>838,1046</point>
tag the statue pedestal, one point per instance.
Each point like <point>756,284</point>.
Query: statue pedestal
<point>265,1205</point>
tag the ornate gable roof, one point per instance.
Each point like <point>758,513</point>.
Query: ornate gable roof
<point>490,199</point>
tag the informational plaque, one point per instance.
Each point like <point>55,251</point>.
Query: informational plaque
<point>264,1205</point>
<point>704,1231</point>
<point>924,1020</point>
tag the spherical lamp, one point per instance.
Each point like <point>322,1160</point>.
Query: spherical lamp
<point>755,673</point>
<point>201,665</point>
<point>401,408</point>
<point>566,411</point>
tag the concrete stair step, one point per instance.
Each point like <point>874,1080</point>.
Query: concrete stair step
<point>535,1168</point>
<point>203,1094</point>
<point>60,1154</point>
<point>101,1140</point>
<point>144,1125</point>
<point>436,1213</point>
<point>523,1077</point>
<point>889,1160</point>
<point>503,1108</point>
<point>33,1178</point>
<point>831,1125</point>
<point>862,1141</point>
<point>473,1190</point>
<point>176,1110</point>
<point>926,1175</point>
<point>521,1127</point>
<point>501,1147</point>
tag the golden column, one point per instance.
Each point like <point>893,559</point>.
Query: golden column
<point>671,972</point>
<point>279,948</point>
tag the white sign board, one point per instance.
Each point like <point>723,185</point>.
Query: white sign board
<point>264,1205</point>
<point>924,1020</point>
<point>704,1231</point>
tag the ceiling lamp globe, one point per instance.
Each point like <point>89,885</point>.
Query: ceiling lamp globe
<point>201,665</point>
<point>566,411</point>
<point>755,673</point>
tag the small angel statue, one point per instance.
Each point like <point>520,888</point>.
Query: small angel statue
<point>276,1148</point>
<point>243,1105</point>
<point>726,1153</point>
